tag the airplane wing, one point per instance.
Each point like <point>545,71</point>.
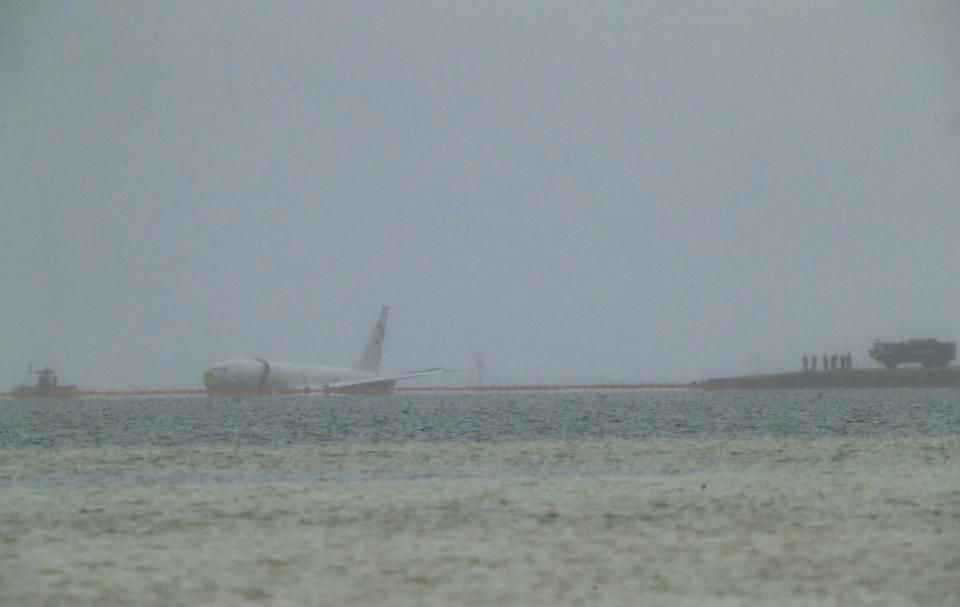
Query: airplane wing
<point>381,381</point>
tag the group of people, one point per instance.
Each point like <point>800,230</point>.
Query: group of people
<point>829,362</point>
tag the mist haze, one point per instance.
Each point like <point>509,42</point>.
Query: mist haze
<point>607,192</point>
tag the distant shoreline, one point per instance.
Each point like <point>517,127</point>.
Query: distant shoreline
<point>908,377</point>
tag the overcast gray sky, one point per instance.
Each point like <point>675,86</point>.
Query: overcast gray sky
<point>614,191</point>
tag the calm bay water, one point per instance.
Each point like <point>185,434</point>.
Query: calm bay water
<point>661,497</point>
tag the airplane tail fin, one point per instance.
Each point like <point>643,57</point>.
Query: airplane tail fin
<point>370,361</point>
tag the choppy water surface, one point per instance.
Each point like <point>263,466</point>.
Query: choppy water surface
<point>432,417</point>
<point>655,497</point>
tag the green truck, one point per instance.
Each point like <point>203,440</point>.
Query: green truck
<point>927,352</point>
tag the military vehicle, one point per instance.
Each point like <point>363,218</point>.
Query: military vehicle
<point>46,385</point>
<point>927,352</point>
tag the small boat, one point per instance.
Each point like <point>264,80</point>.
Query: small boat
<point>46,386</point>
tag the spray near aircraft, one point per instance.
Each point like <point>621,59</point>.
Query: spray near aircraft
<point>258,375</point>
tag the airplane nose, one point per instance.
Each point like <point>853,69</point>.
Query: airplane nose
<point>210,380</point>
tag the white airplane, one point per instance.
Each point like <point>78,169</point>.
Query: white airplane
<point>257,375</point>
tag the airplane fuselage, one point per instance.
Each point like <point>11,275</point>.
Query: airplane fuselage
<point>256,374</point>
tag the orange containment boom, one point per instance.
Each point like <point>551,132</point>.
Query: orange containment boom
<point>377,390</point>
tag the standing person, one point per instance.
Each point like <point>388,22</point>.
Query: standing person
<point>849,360</point>
<point>806,363</point>
<point>833,362</point>
<point>826,363</point>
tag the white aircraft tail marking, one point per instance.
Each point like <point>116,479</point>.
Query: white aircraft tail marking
<point>370,361</point>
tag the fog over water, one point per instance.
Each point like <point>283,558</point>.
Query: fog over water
<point>613,192</point>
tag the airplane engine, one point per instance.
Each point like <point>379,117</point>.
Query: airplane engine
<point>238,375</point>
